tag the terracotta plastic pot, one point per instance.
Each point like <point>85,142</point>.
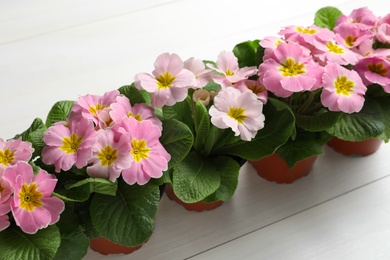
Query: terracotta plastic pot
<point>105,247</point>
<point>363,148</point>
<point>274,168</point>
<point>197,206</point>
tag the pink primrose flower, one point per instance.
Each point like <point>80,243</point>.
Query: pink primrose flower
<point>5,201</point>
<point>333,52</point>
<point>374,69</point>
<point>109,157</point>
<point>4,220</point>
<point>69,144</point>
<point>122,108</point>
<point>383,33</point>
<point>269,44</point>
<point>306,35</point>
<point>362,17</point>
<point>242,112</point>
<point>352,35</point>
<point>366,49</point>
<point>202,75</point>
<point>227,65</point>
<point>13,151</point>
<point>290,71</point>
<point>343,90</point>
<point>150,158</point>
<point>32,206</point>
<point>89,106</point>
<point>169,82</point>
<point>255,87</point>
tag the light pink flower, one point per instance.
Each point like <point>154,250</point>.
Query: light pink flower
<point>240,111</point>
<point>169,82</point>
<point>306,35</point>
<point>269,44</point>
<point>122,108</point>
<point>290,71</point>
<point>202,96</point>
<point>366,49</point>
<point>334,52</point>
<point>202,75</point>
<point>13,151</point>
<point>109,157</point>
<point>227,65</point>
<point>150,157</point>
<point>383,33</point>
<point>255,87</point>
<point>374,69</point>
<point>89,106</point>
<point>32,206</point>
<point>362,17</point>
<point>343,89</point>
<point>4,220</point>
<point>5,201</point>
<point>69,145</point>
<point>352,35</point>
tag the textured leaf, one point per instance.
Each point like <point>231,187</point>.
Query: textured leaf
<point>97,185</point>
<point>180,111</point>
<point>59,112</point>
<point>367,123</point>
<point>16,245</point>
<point>133,94</point>
<point>128,217</point>
<point>34,134</point>
<point>326,17</point>
<point>385,107</point>
<point>246,53</point>
<point>177,139</point>
<point>202,126</point>
<point>195,178</point>
<point>318,122</point>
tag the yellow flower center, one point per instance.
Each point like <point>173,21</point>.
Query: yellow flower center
<point>165,80</point>
<point>350,40</point>
<point>137,117</point>
<point>228,72</point>
<point>30,197</point>
<point>343,85</point>
<point>291,68</point>
<point>6,157</point>
<point>94,109</point>
<point>332,47</point>
<point>71,144</point>
<point>378,68</point>
<point>107,156</point>
<point>140,149</point>
<point>306,30</point>
<point>237,114</point>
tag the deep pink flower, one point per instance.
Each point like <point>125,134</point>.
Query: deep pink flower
<point>150,157</point>
<point>290,71</point>
<point>122,108</point>
<point>343,89</point>
<point>374,69</point>
<point>89,106</point>
<point>202,75</point>
<point>13,151</point>
<point>109,157</point>
<point>5,201</point>
<point>32,205</point>
<point>69,144</point>
<point>169,82</point>
<point>227,65</point>
<point>240,111</point>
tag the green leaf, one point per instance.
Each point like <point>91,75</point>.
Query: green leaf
<point>246,53</point>
<point>326,17</point>
<point>318,122</point>
<point>97,185</point>
<point>367,123</point>
<point>228,169</point>
<point>133,94</point>
<point>34,134</point>
<point>74,243</point>
<point>17,245</point>
<point>59,112</point>
<point>128,217</point>
<point>180,111</point>
<point>305,145</point>
<point>177,139</point>
<point>384,103</point>
<point>202,126</point>
<point>195,178</point>
<point>279,124</point>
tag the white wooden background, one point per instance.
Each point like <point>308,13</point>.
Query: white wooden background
<point>57,50</point>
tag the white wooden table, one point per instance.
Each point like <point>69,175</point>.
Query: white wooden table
<point>57,50</point>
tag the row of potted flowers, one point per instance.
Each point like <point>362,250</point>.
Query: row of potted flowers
<point>98,166</point>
